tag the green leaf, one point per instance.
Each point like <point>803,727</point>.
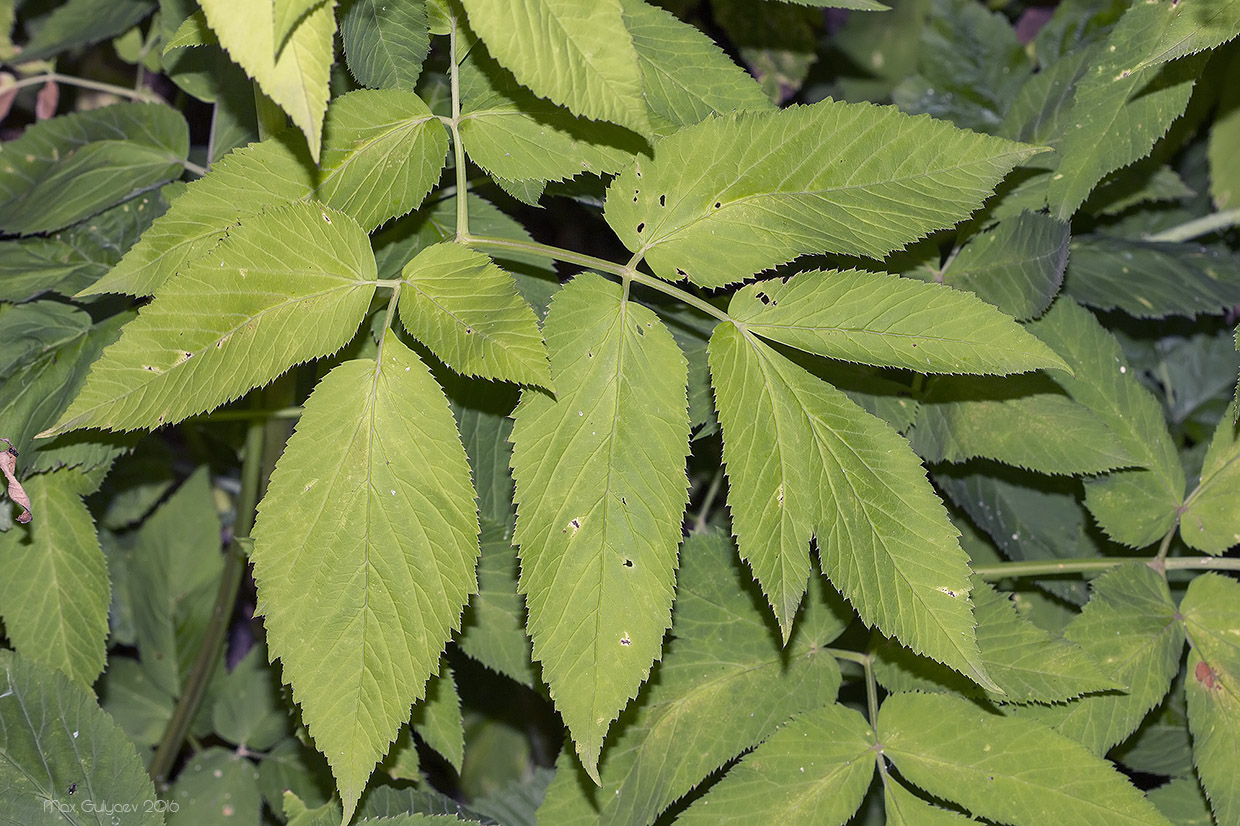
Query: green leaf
<point>1211,521</point>
<point>1224,136</point>
<point>1026,661</point>
<point>577,55</point>
<point>1005,769</point>
<point>1150,279</point>
<point>249,708</point>
<point>1211,617</point>
<point>1026,422</point>
<point>729,178</point>
<point>193,31</point>
<point>368,535</point>
<point>888,321</point>
<point>80,23</point>
<point>610,449</point>
<point>241,320</point>
<point>1134,507</point>
<point>1017,265</point>
<point>286,14</point>
<point>777,42</point>
<point>1130,629</point>
<point>53,735</point>
<point>296,77</point>
<point>137,705</point>
<point>467,311</point>
<point>215,788</point>
<point>804,461</point>
<point>68,168</point>
<point>723,657</point>
<point>1119,109</point>
<point>484,416</point>
<point>385,43</point>
<point>1193,27</point>
<point>382,153</point>
<point>903,808</point>
<point>493,631</point>
<point>1183,802</point>
<point>815,770</point>
<point>1145,183</point>
<point>437,718</point>
<point>518,136</point>
<point>55,593</point>
<point>173,575</point>
<point>686,77</point>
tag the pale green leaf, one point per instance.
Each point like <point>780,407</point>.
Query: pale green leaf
<point>1017,265</point>
<point>368,535</point>
<point>467,311</point>
<point>777,42</point>
<point>1130,629</point>
<point>803,461</point>
<point>903,808</point>
<point>598,554</point>
<point>570,797</point>
<point>686,77</point>
<point>55,592</point>
<point>722,660</point>
<point>286,14</point>
<point>493,630</point>
<point>53,735</point>
<point>1211,518</point>
<point>888,321</point>
<point>437,718</point>
<point>241,319</point>
<point>173,575</point>
<point>1211,610</point>
<point>216,787</point>
<point>80,23</point>
<point>1162,743</point>
<point>864,180</point>
<point>813,771</point>
<point>1134,507</point>
<point>1224,138</point>
<point>193,31</point>
<point>385,42</point>
<point>1005,769</point>
<point>382,153</point>
<point>1026,661</point>
<point>1026,422</point>
<point>518,136</point>
<point>578,55</point>
<point>296,79</point>
<point>1150,279</point>
<point>68,168</point>
<point>1193,26</point>
<point>1183,802</point>
<point>1119,110</point>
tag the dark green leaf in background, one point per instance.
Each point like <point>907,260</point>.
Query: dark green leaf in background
<point>385,41</point>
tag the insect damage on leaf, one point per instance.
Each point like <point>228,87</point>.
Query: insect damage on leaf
<point>8,464</point>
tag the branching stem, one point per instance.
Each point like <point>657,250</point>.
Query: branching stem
<point>1197,227</point>
<point>454,126</point>
<point>1049,567</point>
<point>142,95</point>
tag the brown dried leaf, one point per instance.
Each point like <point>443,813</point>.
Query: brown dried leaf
<point>8,93</point>
<point>8,465</point>
<point>46,102</point>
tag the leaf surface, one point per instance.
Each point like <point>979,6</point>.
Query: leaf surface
<point>55,593</point>
<point>1129,628</point>
<point>385,43</point>
<point>1193,27</point>
<point>1211,520</point>
<point>437,718</point>
<point>803,461</point>
<point>289,285</point>
<point>493,631</point>
<point>1224,135</point>
<point>955,750</point>
<point>578,55</point>
<point>463,307</point>
<point>888,321</point>
<point>903,808</point>
<point>296,76</point>
<point>65,169</point>
<point>866,180</point>
<point>598,556</point>
<point>53,734</point>
<point>83,22</point>
<point>815,770</point>
<point>1211,610</point>
<point>364,554</point>
<point>1134,507</point>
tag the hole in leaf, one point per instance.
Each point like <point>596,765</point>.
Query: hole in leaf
<point>662,200</point>
<point>625,639</point>
<point>641,226</point>
<point>628,563</point>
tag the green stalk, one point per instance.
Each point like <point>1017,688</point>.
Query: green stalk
<point>1197,227</point>
<point>454,126</point>
<point>1047,567</point>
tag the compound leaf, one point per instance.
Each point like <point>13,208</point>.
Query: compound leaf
<point>815,770</point>
<point>803,461</point>
<point>833,177</point>
<point>55,593</point>
<point>578,55</point>
<point>888,321</point>
<point>364,554</point>
<point>467,310</point>
<point>287,286</point>
<point>601,490</point>
<point>955,750</point>
<point>1211,520</point>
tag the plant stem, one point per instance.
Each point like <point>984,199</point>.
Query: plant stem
<point>1045,567</point>
<point>194,168</point>
<point>699,524</point>
<point>142,95</point>
<point>458,149</point>
<point>225,599</point>
<point>292,412</point>
<point>866,661</point>
<point>1205,225</point>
